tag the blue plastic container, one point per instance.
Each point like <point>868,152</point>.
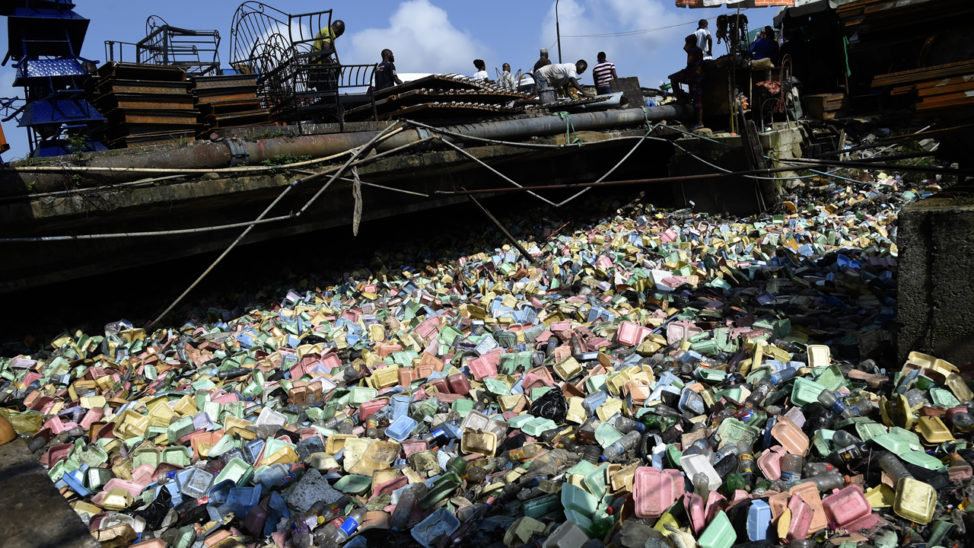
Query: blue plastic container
<point>758,521</point>
<point>400,428</point>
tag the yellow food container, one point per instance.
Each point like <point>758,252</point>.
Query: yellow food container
<point>915,500</point>
<point>933,430</point>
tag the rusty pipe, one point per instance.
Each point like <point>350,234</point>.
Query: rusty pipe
<point>226,153</point>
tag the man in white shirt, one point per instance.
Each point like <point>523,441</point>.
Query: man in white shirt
<point>481,67</point>
<point>560,75</point>
<point>704,40</point>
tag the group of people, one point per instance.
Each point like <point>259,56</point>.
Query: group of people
<point>699,48</point>
<point>554,76</point>
<point>550,76</point>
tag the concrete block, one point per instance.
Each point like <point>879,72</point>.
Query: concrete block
<point>311,489</point>
<point>935,286</point>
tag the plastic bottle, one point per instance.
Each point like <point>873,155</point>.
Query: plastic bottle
<point>591,453</point>
<point>745,461</point>
<point>760,391</point>
<point>625,425</point>
<point>960,419</point>
<point>841,439</point>
<point>892,465</point>
<point>404,507</point>
<point>852,454</point>
<point>828,481</point>
<point>527,452</point>
<point>791,468</point>
<point>817,468</point>
<point>827,398</point>
<point>619,447</point>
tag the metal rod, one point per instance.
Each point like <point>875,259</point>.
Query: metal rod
<point>510,237</point>
<point>222,255</point>
<point>558,30</point>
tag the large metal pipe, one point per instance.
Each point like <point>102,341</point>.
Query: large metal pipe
<point>222,154</point>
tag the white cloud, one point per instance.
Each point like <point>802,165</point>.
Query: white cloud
<point>641,37</point>
<point>423,39</point>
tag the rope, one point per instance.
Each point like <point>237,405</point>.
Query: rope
<point>355,154</point>
<point>495,172</point>
<point>610,172</point>
<point>569,129</point>
<point>357,196</point>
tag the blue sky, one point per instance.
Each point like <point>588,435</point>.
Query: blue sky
<point>643,37</point>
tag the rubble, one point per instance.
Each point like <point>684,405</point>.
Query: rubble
<point>659,378</point>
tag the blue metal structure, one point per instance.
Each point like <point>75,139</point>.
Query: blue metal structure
<point>44,42</point>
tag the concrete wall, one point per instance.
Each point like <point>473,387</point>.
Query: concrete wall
<point>936,276</point>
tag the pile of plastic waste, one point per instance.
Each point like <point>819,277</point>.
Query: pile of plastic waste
<point>655,379</point>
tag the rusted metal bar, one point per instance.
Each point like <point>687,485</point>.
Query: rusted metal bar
<point>510,237</point>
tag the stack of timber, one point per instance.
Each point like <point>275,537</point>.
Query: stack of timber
<point>144,104</point>
<point>229,101</point>
<point>451,96</point>
<point>940,87</point>
<point>442,96</point>
<point>824,106</point>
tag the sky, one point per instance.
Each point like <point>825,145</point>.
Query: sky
<point>642,37</point>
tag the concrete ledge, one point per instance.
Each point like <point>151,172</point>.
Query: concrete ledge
<point>936,288</point>
<point>33,514</point>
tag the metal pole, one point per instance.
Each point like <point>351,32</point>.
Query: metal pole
<point>558,30</point>
<point>510,237</point>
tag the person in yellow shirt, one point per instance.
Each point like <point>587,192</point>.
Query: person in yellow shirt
<point>324,44</point>
<point>323,72</point>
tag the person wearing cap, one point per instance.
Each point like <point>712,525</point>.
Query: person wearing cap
<point>323,72</point>
<point>542,61</point>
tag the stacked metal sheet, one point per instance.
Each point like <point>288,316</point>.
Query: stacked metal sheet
<point>145,104</point>
<point>229,101</point>
<point>442,96</point>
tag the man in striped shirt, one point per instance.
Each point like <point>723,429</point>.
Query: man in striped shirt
<point>604,73</point>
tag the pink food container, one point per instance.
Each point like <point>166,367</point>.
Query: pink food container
<point>655,490</point>
<point>369,408</point>
<point>846,506</point>
<point>695,509</point>
<point>801,518</point>
<point>770,462</point>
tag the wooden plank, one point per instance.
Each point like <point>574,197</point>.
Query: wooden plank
<point>944,90</point>
<point>922,74</point>
<point>945,81</point>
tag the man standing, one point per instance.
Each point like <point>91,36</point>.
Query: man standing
<point>385,73</point>
<point>506,79</point>
<point>692,76</point>
<point>542,61</point>
<point>704,40</point>
<point>559,75</point>
<point>604,72</point>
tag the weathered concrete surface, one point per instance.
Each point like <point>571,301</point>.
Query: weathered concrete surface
<point>936,288</point>
<point>33,514</point>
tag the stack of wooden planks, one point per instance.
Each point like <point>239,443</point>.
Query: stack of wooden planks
<point>229,101</point>
<point>947,86</point>
<point>824,106</point>
<point>144,104</point>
